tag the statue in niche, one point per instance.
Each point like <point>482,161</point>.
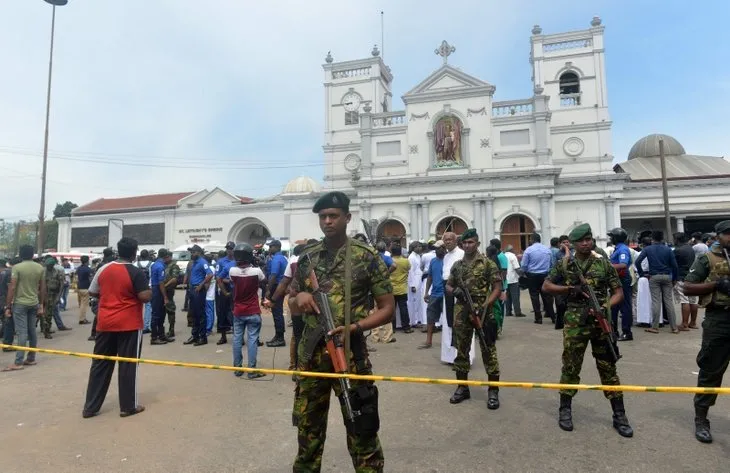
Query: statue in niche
<point>447,142</point>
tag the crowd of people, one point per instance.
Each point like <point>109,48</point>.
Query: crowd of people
<point>379,288</point>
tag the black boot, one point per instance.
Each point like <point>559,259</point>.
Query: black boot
<point>171,332</point>
<point>702,425</point>
<point>277,341</point>
<point>223,339</point>
<point>620,422</point>
<point>565,413</point>
<point>462,392</point>
<point>492,394</point>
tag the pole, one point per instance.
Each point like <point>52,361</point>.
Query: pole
<point>41,213</point>
<point>382,35</point>
<point>665,192</point>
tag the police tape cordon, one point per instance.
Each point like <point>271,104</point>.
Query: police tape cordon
<point>396,379</point>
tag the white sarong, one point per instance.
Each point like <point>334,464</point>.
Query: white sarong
<point>448,353</point>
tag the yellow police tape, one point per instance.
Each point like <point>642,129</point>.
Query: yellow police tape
<point>396,379</point>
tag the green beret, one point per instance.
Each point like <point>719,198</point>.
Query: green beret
<point>580,232</point>
<point>332,200</point>
<point>722,227</point>
<point>469,233</point>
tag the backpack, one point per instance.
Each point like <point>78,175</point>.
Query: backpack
<point>53,281</point>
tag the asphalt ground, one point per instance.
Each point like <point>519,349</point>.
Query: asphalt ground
<point>204,420</point>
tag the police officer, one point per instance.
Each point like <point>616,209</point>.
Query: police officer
<point>331,259</point>
<point>172,275</point>
<point>200,276</point>
<point>709,278</point>
<point>564,279</point>
<point>481,277</point>
<point>621,261</point>
<point>223,294</point>
<point>157,279</point>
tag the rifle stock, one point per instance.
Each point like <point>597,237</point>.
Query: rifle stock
<point>473,314</point>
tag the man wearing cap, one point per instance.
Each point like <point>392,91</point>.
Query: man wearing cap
<point>709,278</point>
<point>223,295</point>
<point>331,260</point>
<point>200,276</point>
<point>480,276</point>
<point>275,268</point>
<point>564,279</point>
<point>159,297</point>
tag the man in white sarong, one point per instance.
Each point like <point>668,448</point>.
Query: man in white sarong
<point>415,291</point>
<point>643,299</point>
<point>453,254</point>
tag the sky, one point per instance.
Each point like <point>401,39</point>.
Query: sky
<point>153,96</point>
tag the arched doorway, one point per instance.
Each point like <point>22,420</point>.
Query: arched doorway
<point>516,230</point>
<point>249,230</point>
<point>450,224</point>
<point>392,230</point>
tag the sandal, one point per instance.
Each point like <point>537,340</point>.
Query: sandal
<point>651,330</point>
<point>424,346</point>
<point>136,410</point>
<point>13,368</point>
<point>675,331</point>
<point>683,329</point>
<point>692,326</point>
<point>30,363</point>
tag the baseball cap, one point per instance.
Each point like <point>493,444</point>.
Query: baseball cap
<point>230,245</point>
<point>438,244</point>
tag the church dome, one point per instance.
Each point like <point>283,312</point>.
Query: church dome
<point>648,147</point>
<point>301,185</point>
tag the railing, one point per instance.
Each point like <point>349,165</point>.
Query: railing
<point>563,45</point>
<point>570,100</point>
<point>381,120</point>
<point>348,73</point>
<point>509,109</point>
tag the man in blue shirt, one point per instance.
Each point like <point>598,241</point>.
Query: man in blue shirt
<point>157,278</point>
<point>275,269</point>
<point>434,299</point>
<point>663,272</point>
<point>200,276</point>
<point>223,301</point>
<point>536,261</point>
<point>621,260</point>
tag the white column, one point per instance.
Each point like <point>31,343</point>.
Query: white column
<point>545,217</point>
<point>413,224</point>
<point>425,221</point>
<point>365,210</point>
<point>680,224</point>
<point>489,217</point>
<point>476,216</point>
<point>610,213</point>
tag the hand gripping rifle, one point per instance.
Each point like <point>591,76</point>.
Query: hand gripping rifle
<point>477,320</point>
<point>596,309</point>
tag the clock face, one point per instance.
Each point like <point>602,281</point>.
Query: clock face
<point>352,162</point>
<point>351,101</point>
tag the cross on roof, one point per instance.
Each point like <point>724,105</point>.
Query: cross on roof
<point>445,51</point>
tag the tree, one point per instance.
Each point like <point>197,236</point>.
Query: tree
<point>63,210</point>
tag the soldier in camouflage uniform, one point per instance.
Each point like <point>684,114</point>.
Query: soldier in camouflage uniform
<point>709,278</point>
<point>369,277</point>
<point>483,279</point>
<point>172,274</point>
<point>564,279</point>
<point>54,285</point>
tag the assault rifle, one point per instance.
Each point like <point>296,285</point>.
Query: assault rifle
<point>476,319</point>
<point>335,348</point>
<point>596,309</point>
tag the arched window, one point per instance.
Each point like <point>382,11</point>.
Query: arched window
<point>569,89</point>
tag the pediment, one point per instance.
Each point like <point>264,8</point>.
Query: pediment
<point>218,198</point>
<point>194,198</point>
<point>447,81</point>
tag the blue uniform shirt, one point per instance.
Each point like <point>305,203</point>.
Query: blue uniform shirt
<point>622,255</point>
<point>157,273</point>
<point>436,271</point>
<point>224,268</point>
<point>276,267</point>
<point>200,271</point>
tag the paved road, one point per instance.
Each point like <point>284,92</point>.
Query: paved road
<point>198,420</point>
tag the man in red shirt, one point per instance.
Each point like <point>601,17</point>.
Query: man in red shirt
<point>122,289</point>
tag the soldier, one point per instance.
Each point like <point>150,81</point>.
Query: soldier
<point>331,259</point>
<point>482,278</point>
<point>172,275</point>
<point>54,287</point>
<point>709,277</point>
<point>564,280</point>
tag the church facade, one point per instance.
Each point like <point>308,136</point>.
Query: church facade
<point>451,158</point>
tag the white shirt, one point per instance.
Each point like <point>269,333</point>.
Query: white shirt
<point>450,258</point>
<point>144,264</point>
<point>700,249</point>
<point>210,295</point>
<point>512,266</point>
<point>288,271</point>
<point>414,274</point>
<point>426,261</point>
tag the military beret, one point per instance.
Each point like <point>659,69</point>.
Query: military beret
<point>580,232</point>
<point>163,253</point>
<point>332,200</point>
<point>722,227</point>
<point>469,233</point>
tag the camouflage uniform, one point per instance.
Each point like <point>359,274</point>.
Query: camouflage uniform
<point>172,271</point>
<point>55,280</point>
<point>311,404</point>
<point>479,276</point>
<point>601,276</point>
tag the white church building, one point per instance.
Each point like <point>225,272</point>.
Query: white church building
<point>453,157</point>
